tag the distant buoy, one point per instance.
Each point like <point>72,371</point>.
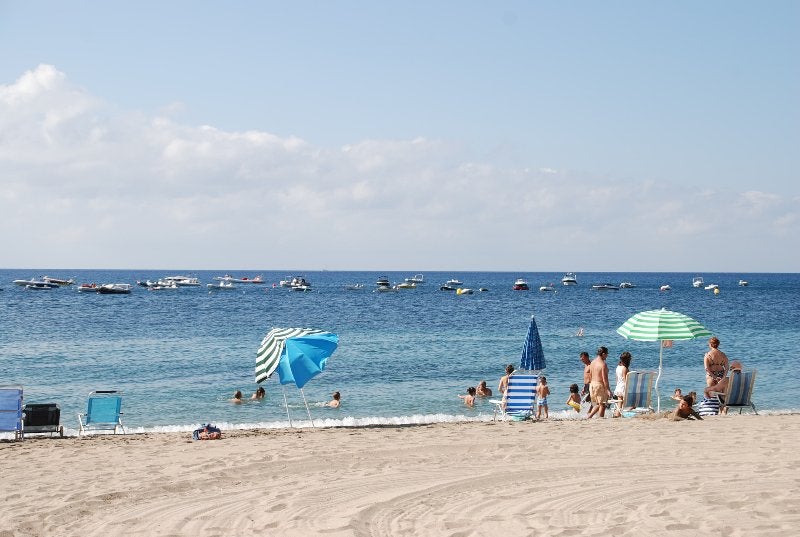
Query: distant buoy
<point>716,290</point>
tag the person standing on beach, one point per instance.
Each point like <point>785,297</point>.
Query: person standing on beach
<point>715,362</point>
<point>542,391</point>
<point>598,383</point>
<point>587,377</point>
<point>503,386</point>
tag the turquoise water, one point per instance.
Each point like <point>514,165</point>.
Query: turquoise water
<point>403,357</point>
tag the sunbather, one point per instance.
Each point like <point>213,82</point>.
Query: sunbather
<point>684,411</point>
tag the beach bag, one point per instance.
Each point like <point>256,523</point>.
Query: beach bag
<point>207,432</point>
<point>708,407</point>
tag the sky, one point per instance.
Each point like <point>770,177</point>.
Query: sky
<point>518,136</point>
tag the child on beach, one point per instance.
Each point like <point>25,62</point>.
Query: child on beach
<point>542,391</point>
<point>469,399</point>
<point>685,410</point>
<point>574,399</point>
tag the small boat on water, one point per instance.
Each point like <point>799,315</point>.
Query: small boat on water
<point>464,291</point>
<point>221,286</point>
<point>416,279</point>
<point>87,288</point>
<point>230,279</point>
<point>605,287</point>
<point>743,283</point>
<point>383,285</point>
<point>626,285</point>
<point>548,287</point>
<point>406,285</point>
<point>58,281</point>
<point>41,286</point>
<point>180,281</point>
<point>569,279</point>
<point>114,289</point>
<point>454,283</point>
<point>697,282</point>
<point>711,287</point>
<point>299,283</point>
<point>520,285</point>
<point>665,287</point>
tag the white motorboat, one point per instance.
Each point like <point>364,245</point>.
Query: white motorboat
<point>87,288</point>
<point>416,278</point>
<point>548,287</point>
<point>743,283</point>
<point>665,287</point>
<point>711,287</point>
<point>181,281</point>
<point>406,285</point>
<point>454,283</point>
<point>299,283</point>
<point>115,289</point>
<point>286,282</point>
<point>382,285</point>
<point>221,286</point>
<point>569,279</point>
<point>697,281</point>
<point>245,279</point>
<point>58,281</point>
<point>521,284</point>
<point>41,286</point>
<point>626,285</point>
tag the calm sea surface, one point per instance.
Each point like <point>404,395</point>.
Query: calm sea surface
<point>403,357</point>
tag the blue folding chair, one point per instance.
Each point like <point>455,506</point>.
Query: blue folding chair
<point>739,392</point>
<point>11,410</point>
<point>103,412</point>
<point>638,393</point>
<point>520,399</point>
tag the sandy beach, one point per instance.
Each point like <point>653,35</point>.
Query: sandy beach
<point>730,475</point>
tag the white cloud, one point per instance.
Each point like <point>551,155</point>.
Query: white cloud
<point>119,188</point>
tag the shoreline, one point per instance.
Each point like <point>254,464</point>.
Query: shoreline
<point>725,475</point>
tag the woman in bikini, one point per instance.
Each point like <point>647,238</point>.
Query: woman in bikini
<point>715,362</point>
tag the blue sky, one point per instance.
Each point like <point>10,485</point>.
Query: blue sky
<point>523,136</point>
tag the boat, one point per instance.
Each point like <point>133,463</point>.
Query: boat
<point>221,286</point>
<point>114,289</point>
<point>697,281</point>
<point>626,285</point>
<point>162,285</point>
<point>416,278</point>
<point>711,287</point>
<point>382,285</point>
<point>665,287</point>
<point>406,285</point>
<point>245,279</point>
<point>548,287</point>
<point>35,283</point>
<point>569,279</point>
<point>286,282</point>
<point>41,286</point>
<point>464,291</point>
<point>354,286</point>
<point>520,285</point>
<point>454,283</point>
<point>58,281</point>
<point>299,283</point>
<point>87,288</point>
<point>181,281</point>
<point>743,283</point>
<point>605,287</point>
<point>447,287</point>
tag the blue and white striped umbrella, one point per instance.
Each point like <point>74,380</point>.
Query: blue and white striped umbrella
<point>532,353</point>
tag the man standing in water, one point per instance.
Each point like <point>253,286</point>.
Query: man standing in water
<point>598,383</point>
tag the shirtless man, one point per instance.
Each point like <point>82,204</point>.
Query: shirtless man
<point>598,383</point>
<point>716,362</point>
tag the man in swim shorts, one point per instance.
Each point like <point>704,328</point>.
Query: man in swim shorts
<point>599,389</point>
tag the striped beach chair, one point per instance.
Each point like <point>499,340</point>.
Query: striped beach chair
<point>739,392</point>
<point>520,399</point>
<point>638,392</point>
<point>11,410</point>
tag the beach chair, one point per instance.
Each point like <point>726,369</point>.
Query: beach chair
<point>42,418</point>
<point>739,392</point>
<point>638,393</point>
<point>102,412</point>
<point>11,410</point>
<point>520,400</point>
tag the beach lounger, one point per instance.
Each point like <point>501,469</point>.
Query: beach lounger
<point>739,391</point>
<point>11,410</point>
<point>42,418</point>
<point>102,412</point>
<point>520,400</point>
<point>638,393</point>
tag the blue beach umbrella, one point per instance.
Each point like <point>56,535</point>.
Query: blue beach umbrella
<point>298,354</point>
<point>532,353</point>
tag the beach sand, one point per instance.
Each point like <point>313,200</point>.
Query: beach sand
<point>729,475</point>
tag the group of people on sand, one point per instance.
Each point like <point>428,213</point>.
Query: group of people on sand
<point>260,393</point>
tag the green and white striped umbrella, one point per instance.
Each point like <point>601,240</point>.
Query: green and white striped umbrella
<point>660,325</point>
<point>269,353</point>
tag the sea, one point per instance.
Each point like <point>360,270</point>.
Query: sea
<point>403,358</point>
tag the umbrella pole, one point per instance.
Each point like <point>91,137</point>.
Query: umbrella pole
<point>286,404</point>
<point>658,397</point>
<point>307,409</point>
